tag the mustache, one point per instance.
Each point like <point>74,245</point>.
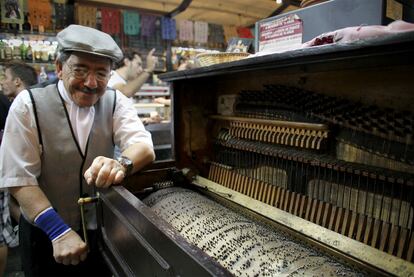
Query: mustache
<point>89,90</point>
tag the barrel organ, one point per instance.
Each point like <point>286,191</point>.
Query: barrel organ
<point>316,148</point>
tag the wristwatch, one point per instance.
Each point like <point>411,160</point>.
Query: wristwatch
<point>127,164</point>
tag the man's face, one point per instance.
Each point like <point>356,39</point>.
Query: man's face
<point>134,67</point>
<point>9,84</point>
<point>85,77</point>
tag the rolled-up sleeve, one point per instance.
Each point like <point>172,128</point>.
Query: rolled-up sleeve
<point>20,150</point>
<point>128,128</point>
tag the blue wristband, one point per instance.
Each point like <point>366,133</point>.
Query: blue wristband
<point>52,224</point>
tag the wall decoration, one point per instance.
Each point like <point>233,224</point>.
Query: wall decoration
<point>132,23</point>
<point>168,27</point>
<point>12,11</point>
<point>111,21</point>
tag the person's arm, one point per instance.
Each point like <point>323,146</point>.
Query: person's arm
<point>134,141</point>
<point>69,248</point>
<point>131,87</point>
<point>20,165</point>
<point>106,171</point>
<point>162,100</point>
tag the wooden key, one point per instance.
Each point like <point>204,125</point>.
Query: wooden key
<point>297,204</point>
<point>346,222</point>
<point>352,226</point>
<point>339,220</point>
<point>326,214</point>
<point>303,201</point>
<point>368,231</point>
<point>313,210</point>
<point>332,218</point>
<point>277,200</point>
<point>384,235</point>
<point>286,200</point>
<point>410,252</point>
<point>292,202</point>
<point>308,209</point>
<point>361,227</point>
<point>320,212</point>
<point>395,230</point>
<point>402,242</point>
<point>376,232</point>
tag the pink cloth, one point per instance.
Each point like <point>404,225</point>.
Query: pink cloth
<point>350,34</point>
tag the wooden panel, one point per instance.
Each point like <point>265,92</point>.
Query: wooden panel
<point>235,12</point>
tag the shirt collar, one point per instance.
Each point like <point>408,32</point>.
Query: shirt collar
<point>63,93</point>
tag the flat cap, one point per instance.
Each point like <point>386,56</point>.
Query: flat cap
<point>88,40</point>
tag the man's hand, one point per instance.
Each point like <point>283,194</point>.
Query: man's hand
<point>151,60</point>
<point>104,171</point>
<point>69,249</point>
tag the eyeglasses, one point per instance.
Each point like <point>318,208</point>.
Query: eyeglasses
<point>81,72</point>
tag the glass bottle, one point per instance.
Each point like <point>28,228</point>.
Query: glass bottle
<point>42,75</point>
<point>26,25</point>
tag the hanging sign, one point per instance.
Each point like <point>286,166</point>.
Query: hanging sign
<point>281,34</point>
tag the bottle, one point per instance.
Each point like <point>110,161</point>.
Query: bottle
<point>2,53</point>
<point>42,75</point>
<point>26,25</point>
<point>29,53</point>
<point>8,51</point>
<point>16,54</point>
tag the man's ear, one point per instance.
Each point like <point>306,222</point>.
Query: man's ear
<point>59,69</point>
<point>18,82</point>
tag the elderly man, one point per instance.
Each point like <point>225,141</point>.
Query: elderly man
<point>57,147</point>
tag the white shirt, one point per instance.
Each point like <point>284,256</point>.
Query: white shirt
<point>20,151</point>
<point>116,79</point>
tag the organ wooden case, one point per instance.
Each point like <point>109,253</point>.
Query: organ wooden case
<point>299,163</point>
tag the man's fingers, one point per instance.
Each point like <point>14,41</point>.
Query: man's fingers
<point>151,52</point>
<point>103,175</point>
<point>66,261</point>
<point>119,177</point>
<point>88,177</point>
<point>83,256</point>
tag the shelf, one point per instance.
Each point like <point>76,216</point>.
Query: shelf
<point>51,63</point>
<point>148,90</point>
<point>10,33</point>
<point>359,54</point>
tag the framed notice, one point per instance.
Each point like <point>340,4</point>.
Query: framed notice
<point>280,34</point>
<point>12,11</point>
<point>237,45</point>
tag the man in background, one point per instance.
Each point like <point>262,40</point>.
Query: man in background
<point>129,75</point>
<point>18,76</point>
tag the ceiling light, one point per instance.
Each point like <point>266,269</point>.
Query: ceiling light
<point>278,1</point>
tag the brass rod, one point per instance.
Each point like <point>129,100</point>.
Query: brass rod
<point>304,125</point>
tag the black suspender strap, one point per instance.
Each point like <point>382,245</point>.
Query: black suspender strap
<point>113,109</point>
<point>113,112</point>
<point>36,118</point>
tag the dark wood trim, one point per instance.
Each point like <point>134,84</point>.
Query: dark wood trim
<point>182,7</point>
<point>117,6</point>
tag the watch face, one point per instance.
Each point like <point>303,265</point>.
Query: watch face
<point>127,163</point>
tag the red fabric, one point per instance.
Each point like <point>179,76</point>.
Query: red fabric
<point>244,32</point>
<point>111,21</point>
